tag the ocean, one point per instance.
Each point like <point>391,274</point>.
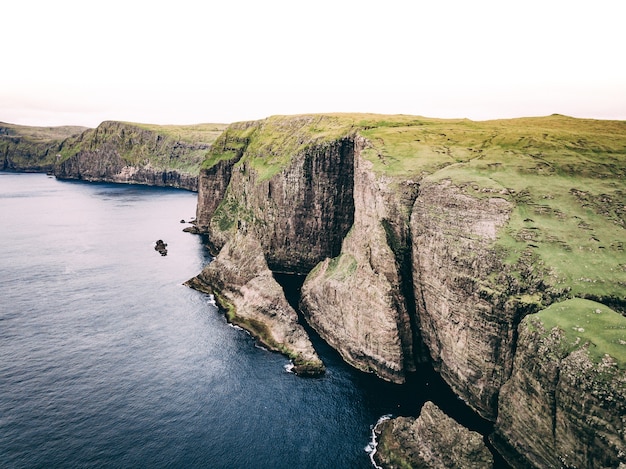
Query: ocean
<point>108,360</point>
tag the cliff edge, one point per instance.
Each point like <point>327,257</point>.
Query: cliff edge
<point>422,239</point>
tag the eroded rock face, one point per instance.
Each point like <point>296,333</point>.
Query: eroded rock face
<point>396,264</point>
<point>433,440</point>
<point>355,301</point>
<point>300,216</point>
<point>246,289</point>
<point>559,409</point>
<point>470,338</point>
<point>122,153</point>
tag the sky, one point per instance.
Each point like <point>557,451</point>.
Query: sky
<point>68,62</point>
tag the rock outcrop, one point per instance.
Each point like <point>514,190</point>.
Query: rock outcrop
<point>244,286</point>
<point>433,440</point>
<point>161,247</point>
<point>356,301</point>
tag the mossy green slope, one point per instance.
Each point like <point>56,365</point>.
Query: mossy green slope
<point>587,324</point>
<point>566,178</point>
<point>269,145</point>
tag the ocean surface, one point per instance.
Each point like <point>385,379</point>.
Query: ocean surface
<point>107,360</point>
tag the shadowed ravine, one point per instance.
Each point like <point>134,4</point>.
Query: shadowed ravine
<point>406,399</point>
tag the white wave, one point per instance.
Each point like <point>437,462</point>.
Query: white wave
<point>370,449</point>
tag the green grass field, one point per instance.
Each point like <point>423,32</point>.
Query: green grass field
<point>196,133</point>
<point>566,177</point>
<point>588,322</point>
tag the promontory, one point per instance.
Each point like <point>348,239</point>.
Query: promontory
<point>493,250</point>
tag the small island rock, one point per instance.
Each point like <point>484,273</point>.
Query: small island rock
<point>161,247</point>
<point>433,440</point>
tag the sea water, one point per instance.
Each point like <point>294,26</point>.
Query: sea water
<point>107,360</point>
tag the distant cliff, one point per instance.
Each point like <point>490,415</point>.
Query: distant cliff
<point>422,239</point>
<point>25,148</point>
<point>137,153</point>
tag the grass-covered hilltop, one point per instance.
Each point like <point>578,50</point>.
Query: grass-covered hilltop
<point>433,239</point>
<point>168,155</point>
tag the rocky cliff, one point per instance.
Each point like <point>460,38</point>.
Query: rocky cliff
<point>137,153</point>
<point>293,195</point>
<point>565,403</point>
<point>469,332</point>
<point>422,239</point>
<point>25,148</point>
<point>357,301</point>
<point>244,286</point>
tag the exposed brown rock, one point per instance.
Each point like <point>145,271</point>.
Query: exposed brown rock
<point>245,287</point>
<point>300,215</point>
<point>355,301</point>
<point>559,409</point>
<point>433,440</point>
<point>469,337</point>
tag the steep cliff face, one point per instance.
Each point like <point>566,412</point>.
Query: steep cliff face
<point>300,215</point>
<point>562,407</point>
<point>25,148</point>
<point>132,153</point>
<point>422,238</point>
<point>356,300</point>
<point>289,220</point>
<point>455,261</point>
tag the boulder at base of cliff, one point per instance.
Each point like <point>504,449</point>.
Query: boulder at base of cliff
<point>433,440</point>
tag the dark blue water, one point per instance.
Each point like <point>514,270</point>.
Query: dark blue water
<point>107,360</point>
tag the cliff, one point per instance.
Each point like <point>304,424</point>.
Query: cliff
<point>291,191</point>
<point>422,239</point>
<point>137,153</point>
<point>26,148</point>
<point>565,404</point>
<point>373,330</point>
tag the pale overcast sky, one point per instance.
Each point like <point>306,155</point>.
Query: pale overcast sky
<point>191,61</point>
